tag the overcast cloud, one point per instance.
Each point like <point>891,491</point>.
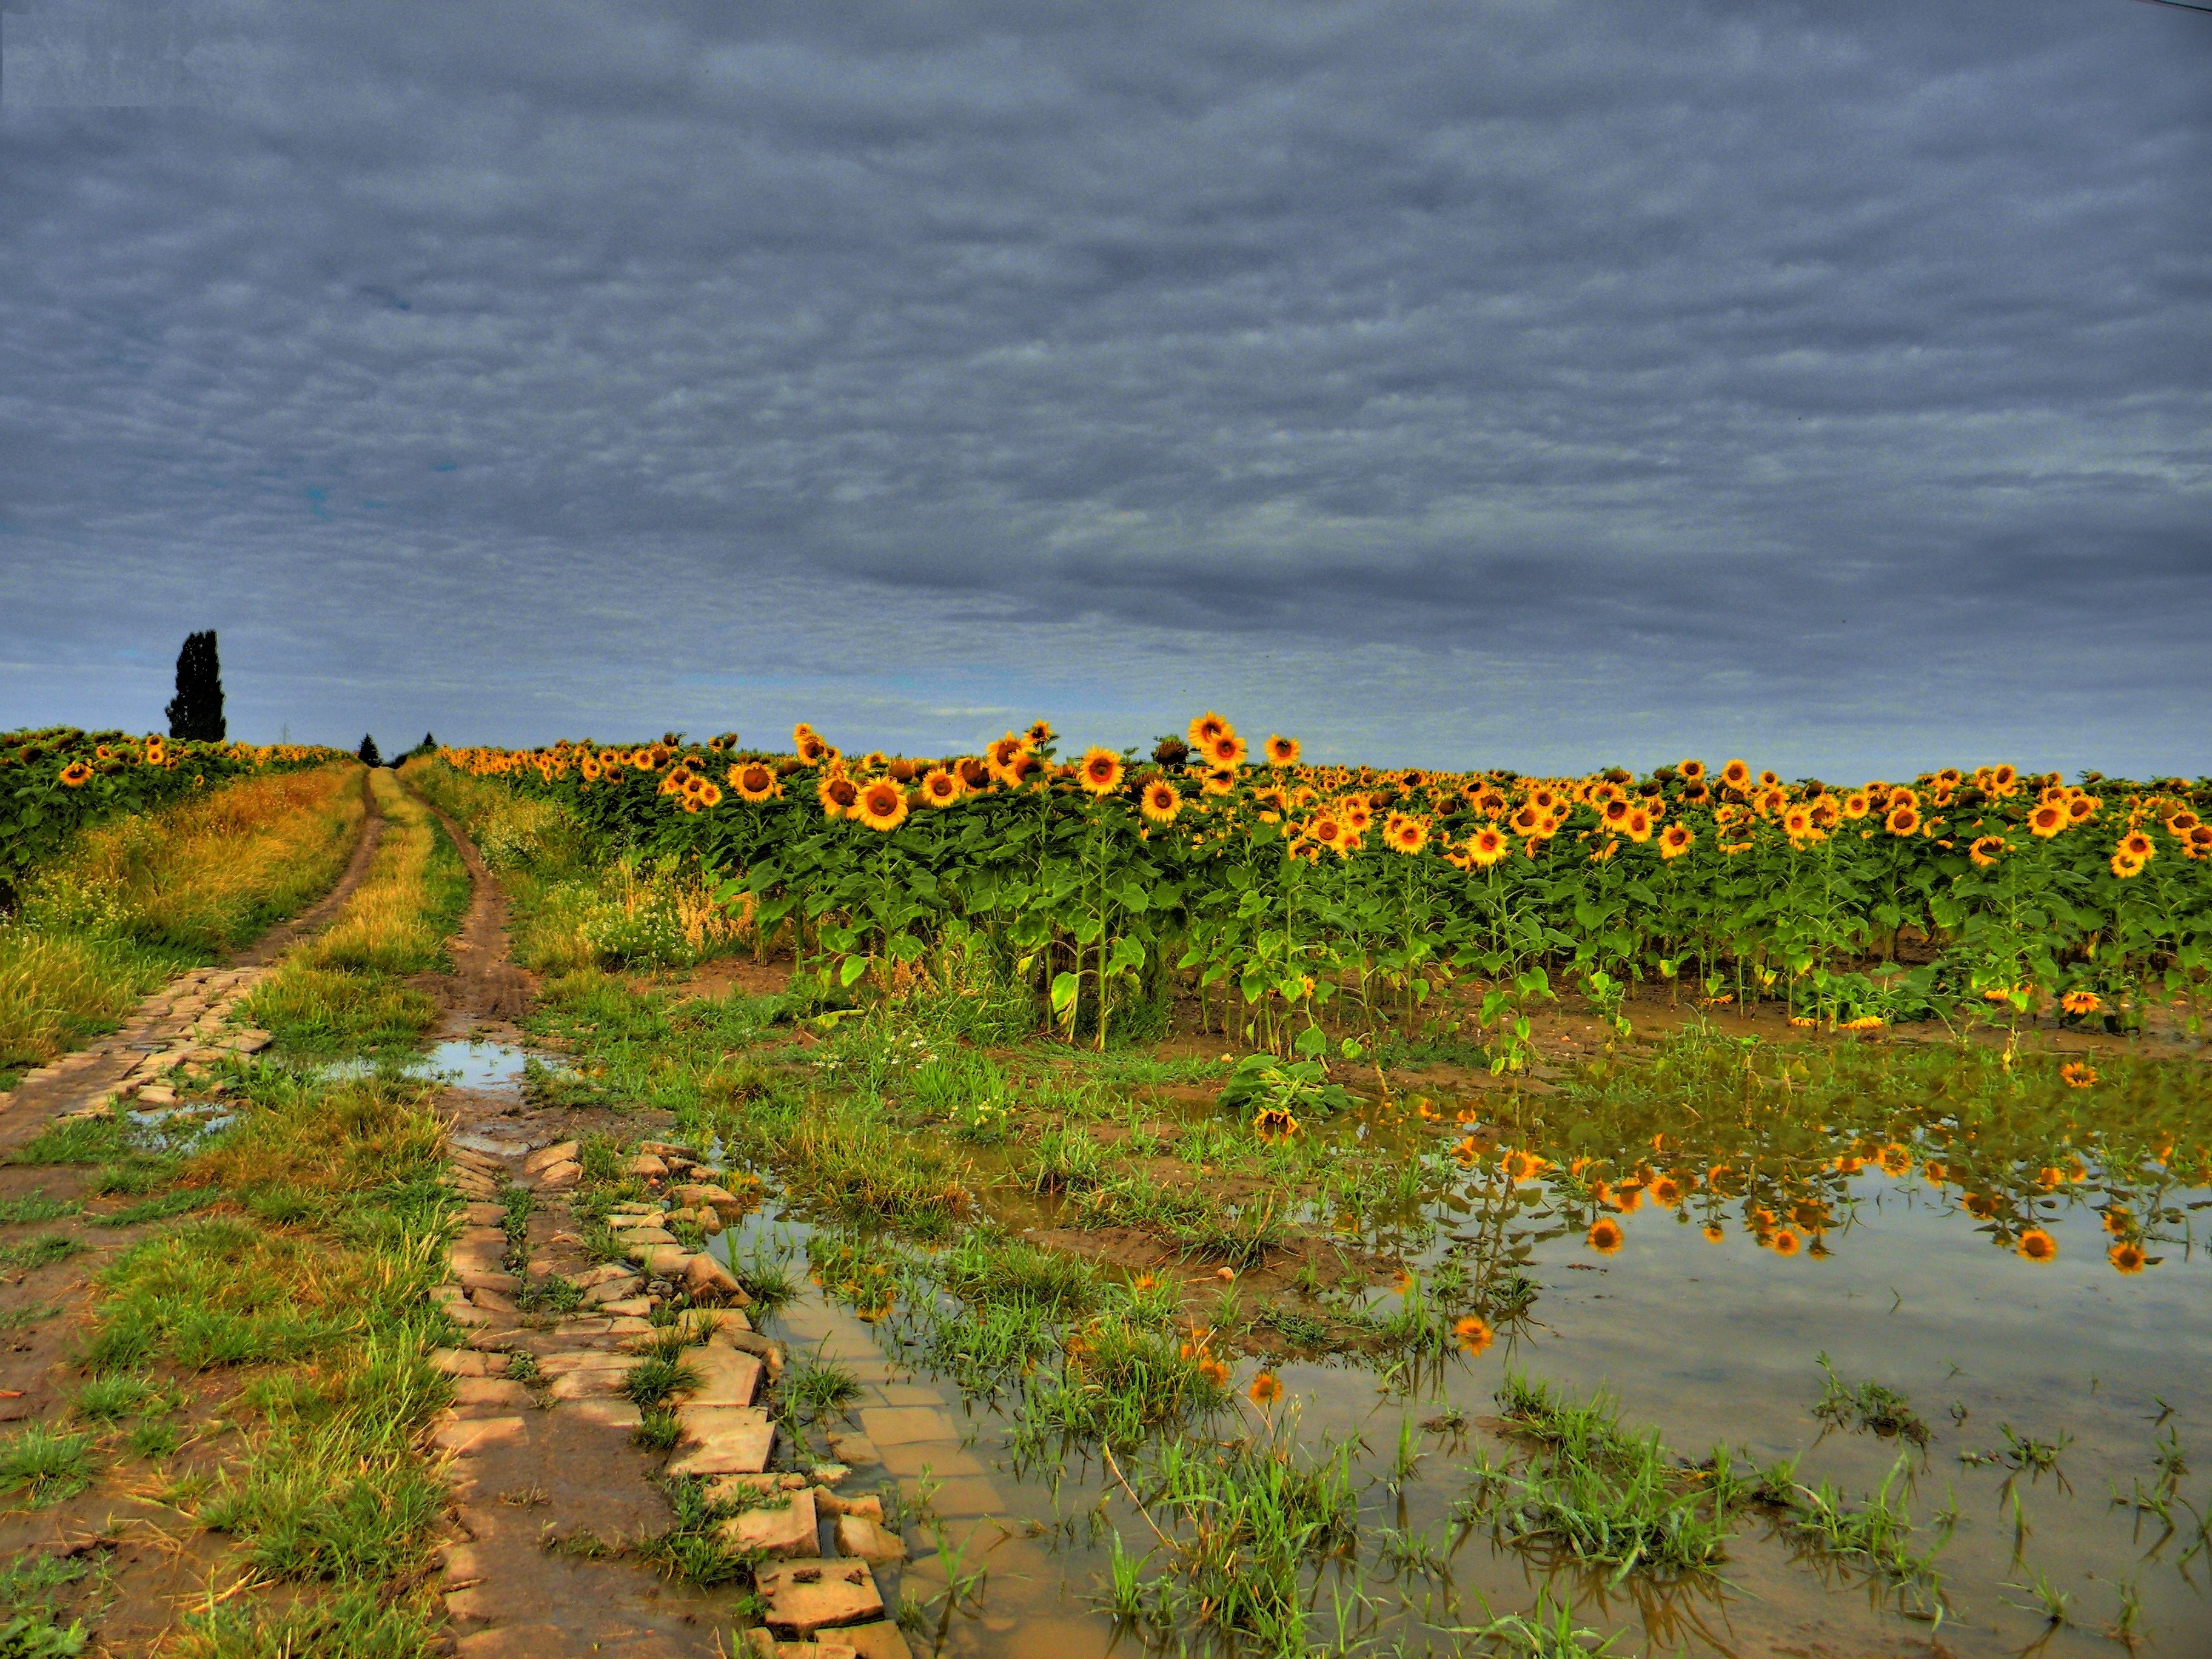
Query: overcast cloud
<point>1529,384</point>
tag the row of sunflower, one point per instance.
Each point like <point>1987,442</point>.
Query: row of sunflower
<point>1276,887</point>
<point>56,780</point>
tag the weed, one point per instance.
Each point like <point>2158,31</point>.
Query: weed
<point>1596,1494</point>
<point>34,1636</point>
<point>1868,1406</point>
<point>2046,1598</point>
<point>1241,1526</point>
<point>1878,1532</point>
<point>693,1551</point>
<point>657,1431</point>
<point>815,1387</point>
<point>651,1382</point>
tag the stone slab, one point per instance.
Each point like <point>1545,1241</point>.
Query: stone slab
<point>727,1377</point>
<point>790,1529</point>
<point>807,1596</point>
<point>867,1540</point>
<point>724,1440</point>
<point>900,1425</point>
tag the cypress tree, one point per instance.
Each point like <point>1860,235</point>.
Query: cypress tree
<point>196,711</point>
<point>368,751</point>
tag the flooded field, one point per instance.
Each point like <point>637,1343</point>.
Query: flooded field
<point>1924,1334</point>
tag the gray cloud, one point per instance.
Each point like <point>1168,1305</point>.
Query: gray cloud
<point>1522,382</point>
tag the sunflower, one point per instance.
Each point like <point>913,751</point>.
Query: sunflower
<point>2200,843</point>
<point>1040,733</point>
<point>1604,1236</point>
<point>1159,802</point>
<point>2126,1256</point>
<point>754,782</point>
<point>1005,758</point>
<point>1857,804</point>
<point>1205,728</point>
<point>1487,847</point>
<point>2037,1245</point>
<point>1984,850</point>
<point>1797,823</point>
<point>1692,771</point>
<point>1226,751</point>
<point>2080,807</point>
<point>1274,1123</point>
<point>1675,839</point>
<point>1282,752</point>
<point>1101,771</point>
<point>1902,820</point>
<point>710,794</point>
<point>882,806</point>
<point>1735,775</point>
<point>2078,1074</point>
<point>1787,1243</point>
<point>1473,1333</point>
<point>1405,834</point>
<point>839,795</point>
<point>2137,845</point>
<point>1357,812</point>
<point>1520,1166</point>
<point>1714,1232</point>
<point>940,788</point>
<point>1894,1160</point>
<point>2081,1002</point>
<point>1267,1388</point>
<point>2125,867</point>
<point>75,776</point>
<point>1218,783</point>
<point>157,753</point>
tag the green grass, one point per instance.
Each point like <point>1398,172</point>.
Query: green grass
<point>1243,1528</point>
<point>36,1207</point>
<point>44,1464</point>
<point>354,1622</point>
<point>40,1252</point>
<point>1595,1493</point>
<point>119,1395</point>
<point>814,1388</point>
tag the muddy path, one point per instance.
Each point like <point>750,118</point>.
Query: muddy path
<point>554,1502</point>
<point>486,995</point>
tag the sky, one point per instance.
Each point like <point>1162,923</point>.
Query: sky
<point>1529,383</point>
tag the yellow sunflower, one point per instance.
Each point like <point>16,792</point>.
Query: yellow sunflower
<point>882,806</point>
<point>1101,771</point>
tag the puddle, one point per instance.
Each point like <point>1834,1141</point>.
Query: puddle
<point>486,1067</point>
<point>2018,1263</point>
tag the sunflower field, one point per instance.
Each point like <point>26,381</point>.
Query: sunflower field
<point>56,780</point>
<point>1314,910</point>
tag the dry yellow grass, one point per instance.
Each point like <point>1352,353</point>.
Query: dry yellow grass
<point>135,901</point>
<point>345,989</point>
